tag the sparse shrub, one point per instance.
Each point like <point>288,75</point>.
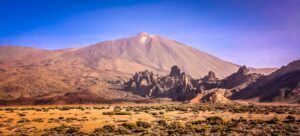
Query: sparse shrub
<point>58,129</point>
<point>105,129</point>
<point>38,109</point>
<point>279,111</point>
<point>154,113</point>
<point>37,120</point>
<point>116,113</point>
<point>71,119</point>
<point>65,129</point>
<point>117,108</point>
<point>143,124</point>
<point>108,128</point>
<point>273,120</point>
<point>215,120</point>
<point>45,109</point>
<point>107,113</point>
<point>122,113</point>
<point>122,131</point>
<point>162,123</point>
<point>21,114</point>
<point>290,119</point>
<point>65,108</point>
<point>182,108</point>
<point>176,128</point>
<point>129,126</point>
<point>10,120</point>
<point>175,125</point>
<point>23,120</point>
<point>242,119</point>
<point>197,122</point>
<point>72,130</point>
<point>215,129</point>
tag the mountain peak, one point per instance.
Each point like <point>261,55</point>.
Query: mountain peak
<point>143,36</point>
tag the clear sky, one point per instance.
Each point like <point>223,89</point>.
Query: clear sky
<point>257,33</point>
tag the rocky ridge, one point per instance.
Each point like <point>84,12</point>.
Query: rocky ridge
<point>182,87</point>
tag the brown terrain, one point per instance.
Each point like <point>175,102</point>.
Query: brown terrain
<point>281,85</point>
<point>142,85</point>
<point>101,73</point>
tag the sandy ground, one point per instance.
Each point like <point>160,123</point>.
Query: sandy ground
<point>90,118</point>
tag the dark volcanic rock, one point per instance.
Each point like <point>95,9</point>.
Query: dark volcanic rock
<point>281,85</point>
<point>180,86</point>
<point>211,76</point>
<point>210,81</point>
<point>175,71</point>
<point>239,80</point>
<point>177,86</point>
<point>243,70</point>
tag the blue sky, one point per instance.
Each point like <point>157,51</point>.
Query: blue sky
<point>257,33</point>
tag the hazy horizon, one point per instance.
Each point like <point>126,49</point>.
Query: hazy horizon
<point>253,33</point>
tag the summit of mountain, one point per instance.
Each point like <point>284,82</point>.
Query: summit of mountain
<point>155,53</point>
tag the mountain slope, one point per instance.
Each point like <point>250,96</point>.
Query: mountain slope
<point>127,55</point>
<point>155,53</point>
<point>281,85</point>
<point>9,52</point>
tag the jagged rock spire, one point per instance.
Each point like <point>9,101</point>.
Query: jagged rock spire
<point>243,70</point>
<point>175,71</point>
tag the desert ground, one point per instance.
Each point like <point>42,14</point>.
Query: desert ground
<point>151,119</point>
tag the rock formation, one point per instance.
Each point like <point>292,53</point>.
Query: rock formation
<point>281,85</point>
<point>239,80</point>
<point>209,81</point>
<point>180,86</point>
<point>215,97</point>
<point>177,85</point>
<point>175,71</point>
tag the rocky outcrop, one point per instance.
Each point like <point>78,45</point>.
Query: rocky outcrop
<point>180,86</point>
<point>175,71</point>
<point>212,96</point>
<point>177,85</point>
<point>215,97</point>
<point>239,80</point>
<point>281,85</point>
<point>209,81</point>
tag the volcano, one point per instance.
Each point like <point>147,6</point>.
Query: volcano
<point>41,73</point>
